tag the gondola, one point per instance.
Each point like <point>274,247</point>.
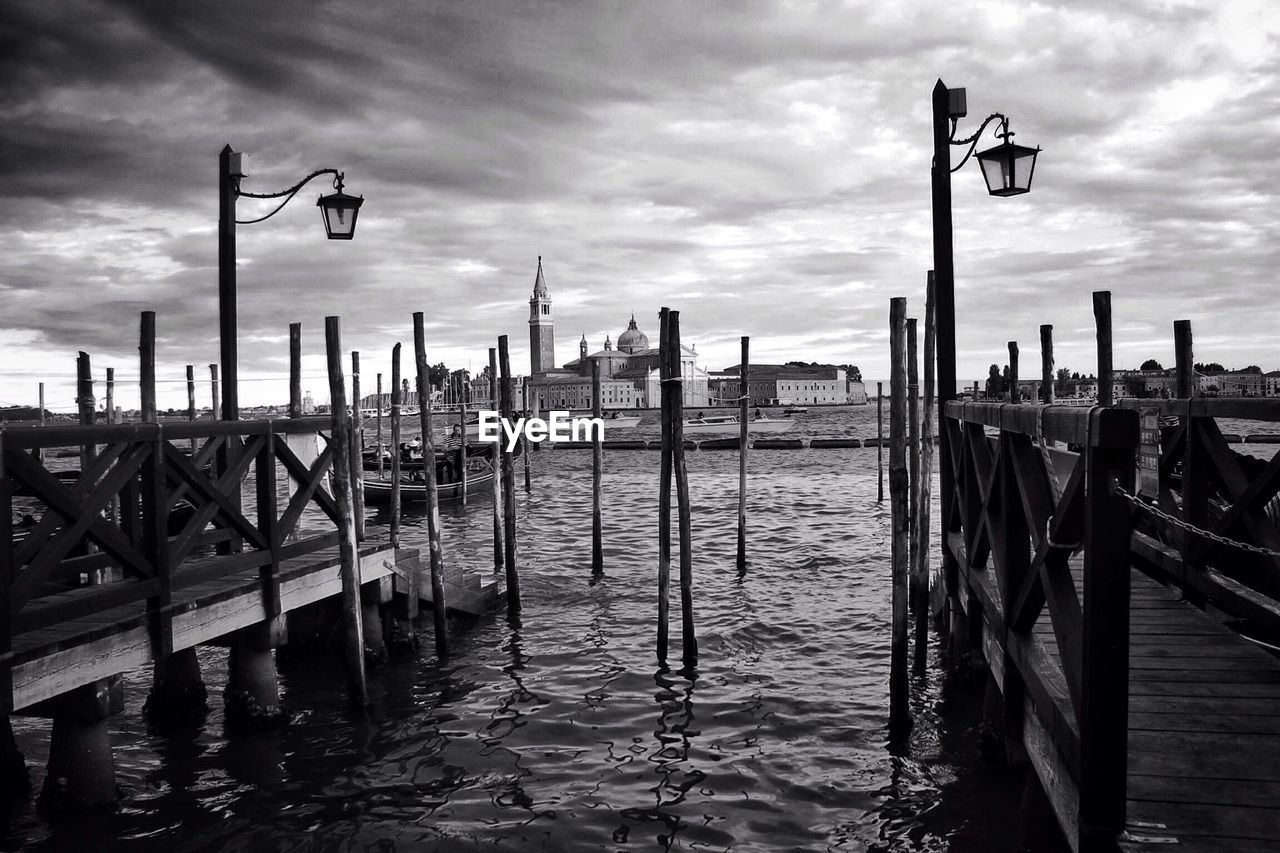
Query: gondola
<point>413,489</point>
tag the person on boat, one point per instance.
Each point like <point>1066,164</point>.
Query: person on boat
<point>700,416</point>
<point>758,415</point>
<point>614,416</point>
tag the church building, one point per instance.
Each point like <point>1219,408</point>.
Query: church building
<point>628,373</point>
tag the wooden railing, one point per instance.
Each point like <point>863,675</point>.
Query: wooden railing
<point>146,513</point>
<point>1229,496</point>
<point>1033,487</point>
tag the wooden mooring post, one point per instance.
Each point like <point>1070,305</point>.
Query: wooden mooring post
<point>438,604</point>
<point>462,436</point>
<point>921,569</point>
<point>913,458</point>
<point>880,442</point>
<point>508,488</point>
<point>111,395</point>
<point>597,464</point>
<point>1015,395</point>
<point>495,460</point>
<point>357,447</point>
<point>353,647</point>
<point>664,491</point>
<point>295,370</point>
<point>744,400</point>
<point>1046,364</point>
<point>1102,319</point>
<point>524,445</point>
<point>675,378</point>
<point>396,397</point>
<point>191,402</point>
<point>899,695</point>
<point>378,436</point>
<point>215,397</point>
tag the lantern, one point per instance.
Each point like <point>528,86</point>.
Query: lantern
<point>340,211</point>
<point>1008,167</point>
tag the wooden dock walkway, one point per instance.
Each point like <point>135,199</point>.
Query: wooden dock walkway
<point>171,536</point>
<point>1149,722</point>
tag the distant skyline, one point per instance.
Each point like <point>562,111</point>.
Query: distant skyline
<point>761,166</point>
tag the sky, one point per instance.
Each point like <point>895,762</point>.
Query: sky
<point>762,167</point>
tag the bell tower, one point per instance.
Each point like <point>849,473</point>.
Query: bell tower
<point>542,334</point>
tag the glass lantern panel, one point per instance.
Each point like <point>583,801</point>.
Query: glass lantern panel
<point>1024,161</point>
<point>995,170</point>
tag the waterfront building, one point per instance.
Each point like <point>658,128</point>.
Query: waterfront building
<point>628,372</point>
<point>784,385</point>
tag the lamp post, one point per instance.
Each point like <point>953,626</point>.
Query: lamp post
<point>1007,169</point>
<point>339,211</point>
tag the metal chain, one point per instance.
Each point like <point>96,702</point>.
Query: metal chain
<point>1156,512</point>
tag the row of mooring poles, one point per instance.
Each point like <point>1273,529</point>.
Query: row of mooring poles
<point>910,472</point>
<point>671,375</point>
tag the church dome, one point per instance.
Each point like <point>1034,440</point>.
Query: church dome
<point>632,340</point>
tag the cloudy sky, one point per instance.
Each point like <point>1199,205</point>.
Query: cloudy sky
<point>761,166</point>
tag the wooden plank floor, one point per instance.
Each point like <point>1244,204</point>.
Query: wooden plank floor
<point>50,661</point>
<point>1204,725</point>
<point>1204,730</point>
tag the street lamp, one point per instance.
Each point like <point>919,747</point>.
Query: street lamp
<point>1007,169</point>
<point>339,211</point>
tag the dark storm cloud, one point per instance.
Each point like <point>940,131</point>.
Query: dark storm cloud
<point>762,165</point>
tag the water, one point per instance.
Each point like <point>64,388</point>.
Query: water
<point>562,733</point>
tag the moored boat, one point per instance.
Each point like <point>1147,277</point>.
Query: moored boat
<point>413,488</point>
<point>729,423</point>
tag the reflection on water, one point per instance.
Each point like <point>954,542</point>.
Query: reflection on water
<point>562,732</point>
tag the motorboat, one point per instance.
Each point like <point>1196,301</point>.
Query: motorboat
<point>730,423</point>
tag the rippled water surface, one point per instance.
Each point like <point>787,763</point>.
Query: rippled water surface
<point>562,732</point>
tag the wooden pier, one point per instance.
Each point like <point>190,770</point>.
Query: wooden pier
<point>1109,627</point>
<point>149,553</point>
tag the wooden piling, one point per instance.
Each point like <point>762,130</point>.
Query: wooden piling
<point>1015,394</point>
<point>880,442</point>
<point>40,452</point>
<point>349,565</point>
<point>508,488</point>
<point>524,445</point>
<point>1182,353</point>
<point>913,458</point>
<point>921,569</point>
<point>85,403</point>
<point>438,604</point>
<point>899,709</point>
<point>147,367</point>
<point>664,490</point>
<point>462,429</point>
<point>675,370</point>
<point>378,436</point>
<point>744,395</point>
<point>495,460</point>
<point>295,370</point>
<point>213,389</point>
<point>111,395</point>
<point>191,401</point>
<point>357,447</point>
<point>396,397</point>
<point>1046,364</point>
<point>1102,319</point>
<point>597,465</point>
